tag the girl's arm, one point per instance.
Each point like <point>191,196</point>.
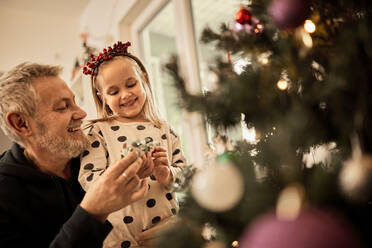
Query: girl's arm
<point>177,159</point>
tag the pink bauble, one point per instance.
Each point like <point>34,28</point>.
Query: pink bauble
<point>288,14</point>
<point>312,228</point>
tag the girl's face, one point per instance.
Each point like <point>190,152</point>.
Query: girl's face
<point>121,87</point>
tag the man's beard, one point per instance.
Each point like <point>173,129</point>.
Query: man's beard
<point>62,147</point>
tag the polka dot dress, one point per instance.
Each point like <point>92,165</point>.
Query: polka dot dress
<point>107,139</point>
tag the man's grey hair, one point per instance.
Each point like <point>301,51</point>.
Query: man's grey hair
<point>17,92</point>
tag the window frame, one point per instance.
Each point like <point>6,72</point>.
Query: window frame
<point>143,12</point>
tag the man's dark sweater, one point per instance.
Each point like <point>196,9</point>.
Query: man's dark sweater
<point>40,210</point>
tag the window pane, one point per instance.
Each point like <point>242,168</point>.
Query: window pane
<point>212,13</point>
<point>159,43</point>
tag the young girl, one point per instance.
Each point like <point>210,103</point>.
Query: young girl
<point>126,110</point>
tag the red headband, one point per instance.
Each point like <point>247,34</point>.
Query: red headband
<point>118,49</point>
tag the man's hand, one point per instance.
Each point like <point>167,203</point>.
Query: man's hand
<point>147,166</point>
<point>161,166</point>
<point>115,188</point>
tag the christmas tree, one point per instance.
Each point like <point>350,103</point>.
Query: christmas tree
<point>306,86</point>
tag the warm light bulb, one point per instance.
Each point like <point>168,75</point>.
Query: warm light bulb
<point>235,244</point>
<point>309,26</point>
<point>265,61</point>
<point>264,58</point>
<point>307,40</point>
<point>282,84</point>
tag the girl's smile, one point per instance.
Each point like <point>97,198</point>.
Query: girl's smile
<point>122,89</point>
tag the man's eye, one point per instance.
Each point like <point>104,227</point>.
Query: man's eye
<point>64,107</point>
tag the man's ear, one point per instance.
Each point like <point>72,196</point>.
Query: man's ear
<point>19,123</point>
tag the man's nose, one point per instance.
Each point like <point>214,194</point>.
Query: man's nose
<point>79,113</point>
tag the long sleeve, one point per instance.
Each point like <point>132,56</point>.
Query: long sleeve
<point>94,160</point>
<point>177,159</point>
<point>81,230</point>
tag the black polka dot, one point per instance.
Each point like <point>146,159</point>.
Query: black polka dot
<point>150,203</point>
<point>128,219</point>
<point>179,161</point>
<point>88,166</point>
<point>164,136</point>
<point>174,211</point>
<point>95,144</point>
<point>156,219</point>
<point>100,133</point>
<point>148,139</point>
<point>176,152</point>
<point>115,128</point>
<point>177,180</point>
<point>107,154</point>
<point>85,153</point>
<point>153,177</point>
<point>172,132</point>
<point>149,186</point>
<point>125,244</point>
<point>89,134</point>
<point>140,127</point>
<point>90,177</point>
<point>169,196</point>
<point>122,138</point>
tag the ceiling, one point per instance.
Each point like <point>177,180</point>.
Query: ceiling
<point>71,8</point>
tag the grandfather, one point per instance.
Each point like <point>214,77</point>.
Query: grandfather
<point>41,201</point>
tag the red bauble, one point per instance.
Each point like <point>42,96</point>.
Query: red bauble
<point>312,228</point>
<point>243,16</point>
<point>287,14</point>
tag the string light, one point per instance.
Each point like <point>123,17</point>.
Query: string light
<point>282,84</point>
<point>235,244</point>
<point>265,61</point>
<point>264,58</point>
<point>309,26</point>
<point>307,40</point>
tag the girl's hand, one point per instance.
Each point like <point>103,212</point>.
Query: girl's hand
<point>147,166</point>
<point>161,166</point>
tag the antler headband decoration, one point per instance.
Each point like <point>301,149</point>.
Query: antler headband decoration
<point>118,49</point>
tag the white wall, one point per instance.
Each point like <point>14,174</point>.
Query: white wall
<point>103,26</point>
<point>39,37</point>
